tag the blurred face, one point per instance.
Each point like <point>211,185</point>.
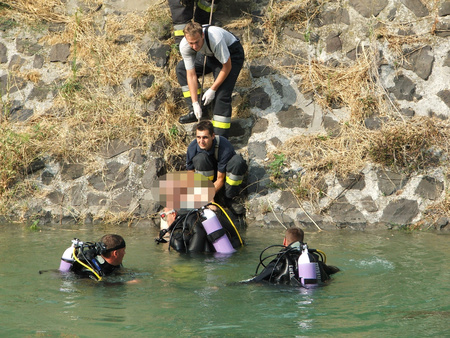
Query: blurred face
<point>195,41</point>
<point>204,140</point>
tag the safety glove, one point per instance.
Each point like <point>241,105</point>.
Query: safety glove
<point>197,110</point>
<point>208,96</point>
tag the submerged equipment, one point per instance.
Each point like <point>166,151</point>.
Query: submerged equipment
<point>85,253</point>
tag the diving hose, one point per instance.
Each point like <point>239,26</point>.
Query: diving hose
<point>99,278</point>
<point>226,214</point>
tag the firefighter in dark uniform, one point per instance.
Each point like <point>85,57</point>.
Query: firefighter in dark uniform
<point>213,156</point>
<point>183,11</point>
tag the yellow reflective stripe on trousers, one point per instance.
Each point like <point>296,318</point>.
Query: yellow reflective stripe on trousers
<point>233,182</point>
<point>221,122</point>
<point>206,6</point>
<point>187,93</point>
<point>178,30</point>
<point>209,174</point>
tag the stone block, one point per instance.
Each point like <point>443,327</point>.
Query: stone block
<point>353,181</point>
<point>369,204</point>
<point>416,6</point>
<point>257,150</point>
<point>159,54</point>
<point>294,117</point>
<point>404,89</point>
<point>333,43</point>
<point>389,182</point>
<point>400,212</point>
<point>444,95</point>
<point>420,62</point>
<point>344,212</point>
<point>60,52</point>
<point>430,188</point>
<point>71,171</point>
<point>260,126</point>
<point>444,10</point>
<point>368,8</point>
<point>259,98</point>
<point>154,170</point>
<point>257,180</point>
<point>3,53</point>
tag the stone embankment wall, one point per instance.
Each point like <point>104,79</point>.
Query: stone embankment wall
<point>339,35</point>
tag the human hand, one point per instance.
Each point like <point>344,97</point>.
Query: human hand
<point>197,110</point>
<point>208,96</point>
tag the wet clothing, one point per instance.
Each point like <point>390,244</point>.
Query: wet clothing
<point>221,157</point>
<point>102,267</point>
<point>219,46</point>
<point>183,11</point>
<point>284,268</point>
<point>187,234</point>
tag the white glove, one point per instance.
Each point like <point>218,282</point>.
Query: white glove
<point>208,96</point>
<point>197,110</point>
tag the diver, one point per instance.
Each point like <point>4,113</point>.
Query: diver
<point>94,260</point>
<point>201,230</point>
<point>295,264</point>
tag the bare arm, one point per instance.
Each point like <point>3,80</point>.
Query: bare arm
<point>192,84</point>
<point>220,181</point>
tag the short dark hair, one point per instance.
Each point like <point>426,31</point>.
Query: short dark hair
<point>294,234</point>
<point>193,28</point>
<point>112,242</point>
<point>205,125</point>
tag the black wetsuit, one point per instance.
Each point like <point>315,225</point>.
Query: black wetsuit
<point>284,268</point>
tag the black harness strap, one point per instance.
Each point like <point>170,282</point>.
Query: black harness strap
<point>214,236</point>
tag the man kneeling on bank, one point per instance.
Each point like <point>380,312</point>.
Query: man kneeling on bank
<point>214,157</point>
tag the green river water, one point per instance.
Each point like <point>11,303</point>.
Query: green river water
<point>392,284</point>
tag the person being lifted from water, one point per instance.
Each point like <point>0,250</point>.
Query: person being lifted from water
<point>290,267</point>
<point>189,233</point>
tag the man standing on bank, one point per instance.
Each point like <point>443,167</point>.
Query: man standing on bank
<point>224,58</point>
<point>214,157</point>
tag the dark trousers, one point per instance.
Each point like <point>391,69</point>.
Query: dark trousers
<point>183,11</point>
<point>235,171</point>
<point>222,102</point>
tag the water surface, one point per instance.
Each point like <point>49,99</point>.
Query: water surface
<point>391,284</point>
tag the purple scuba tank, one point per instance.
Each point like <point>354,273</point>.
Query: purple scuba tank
<point>307,270</point>
<point>67,259</point>
<point>214,228</point>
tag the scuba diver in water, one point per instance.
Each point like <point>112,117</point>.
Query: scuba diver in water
<point>295,264</point>
<point>201,230</point>
<point>94,260</point>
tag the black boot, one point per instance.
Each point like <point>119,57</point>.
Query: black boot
<point>188,118</point>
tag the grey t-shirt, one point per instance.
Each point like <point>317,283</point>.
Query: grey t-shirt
<point>219,40</point>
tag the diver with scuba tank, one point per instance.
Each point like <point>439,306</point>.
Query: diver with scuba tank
<point>94,260</point>
<point>295,264</point>
<point>201,230</point>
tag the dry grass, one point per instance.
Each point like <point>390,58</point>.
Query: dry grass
<point>93,105</point>
<point>405,147</point>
